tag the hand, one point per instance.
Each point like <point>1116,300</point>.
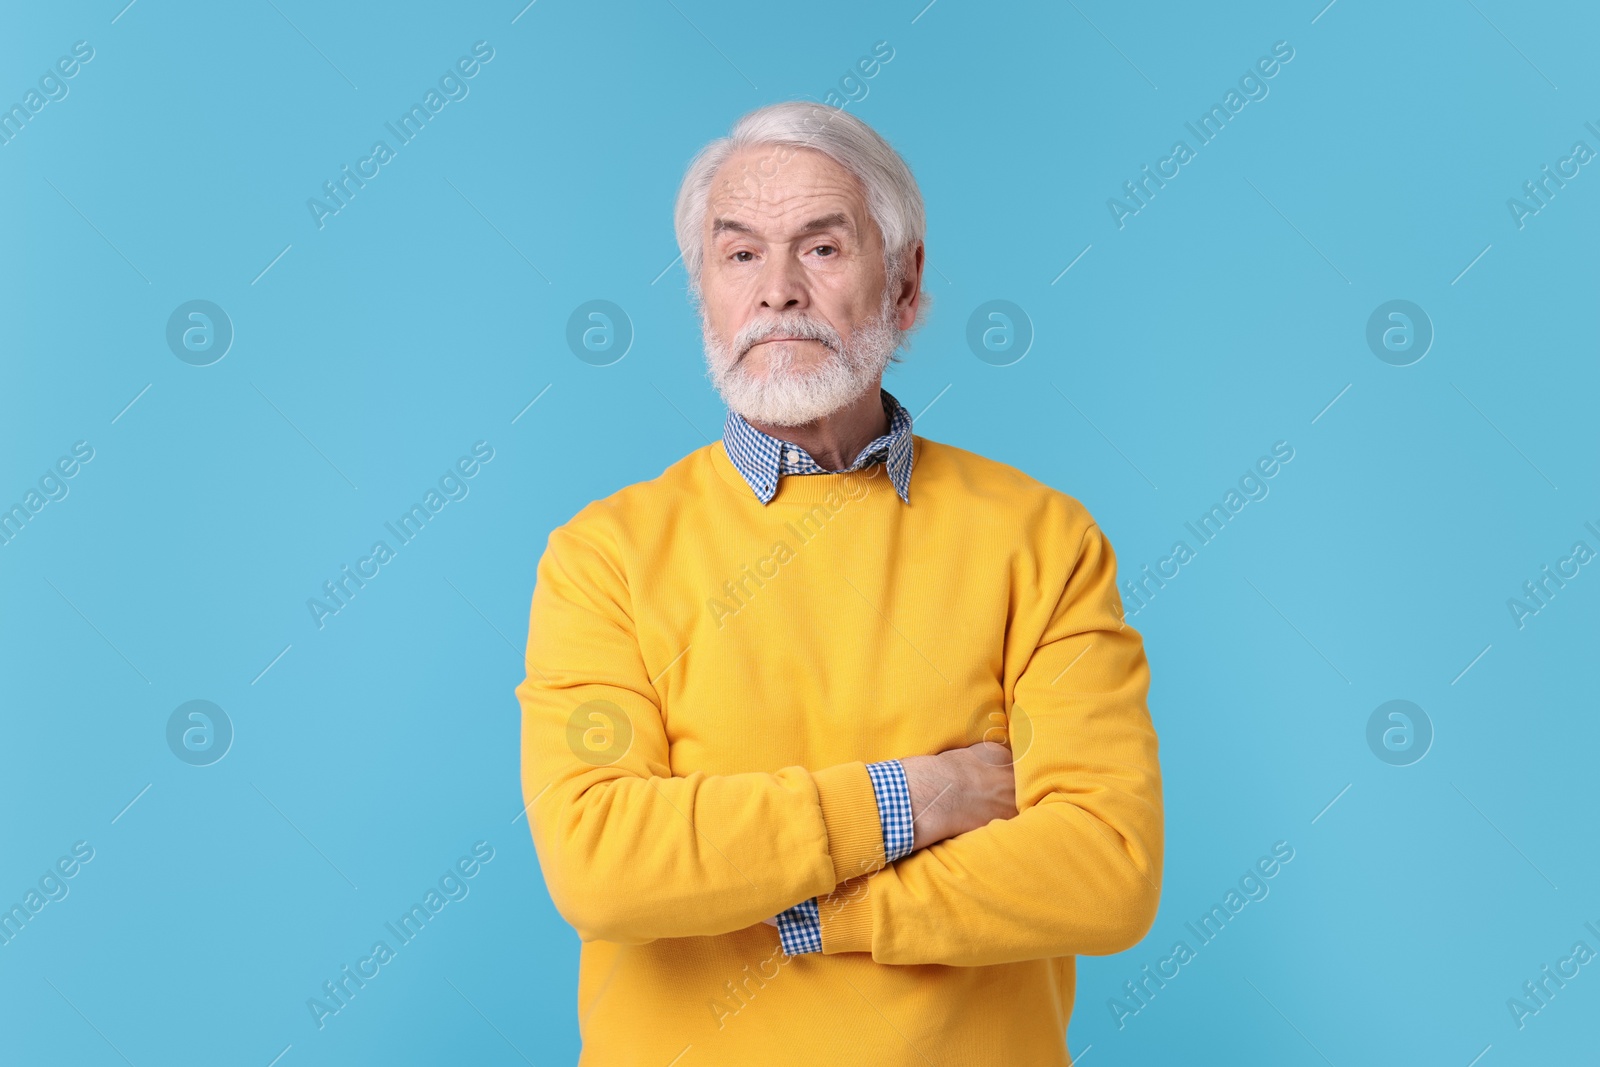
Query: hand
<point>958,790</point>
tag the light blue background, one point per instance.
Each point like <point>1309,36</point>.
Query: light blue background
<point>1224,317</point>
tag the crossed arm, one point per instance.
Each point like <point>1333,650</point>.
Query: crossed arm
<point>632,853</point>
<point>921,801</point>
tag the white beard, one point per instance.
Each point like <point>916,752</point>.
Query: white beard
<point>790,394</point>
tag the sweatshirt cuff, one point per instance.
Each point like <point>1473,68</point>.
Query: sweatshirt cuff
<point>850,813</point>
<point>846,917</point>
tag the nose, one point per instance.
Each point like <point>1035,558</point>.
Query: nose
<point>782,285</point>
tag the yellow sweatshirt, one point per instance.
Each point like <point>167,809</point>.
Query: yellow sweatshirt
<point>708,676</point>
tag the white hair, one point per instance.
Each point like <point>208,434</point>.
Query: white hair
<point>894,202</point>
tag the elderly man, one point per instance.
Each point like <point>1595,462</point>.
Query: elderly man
<point>835,743</point>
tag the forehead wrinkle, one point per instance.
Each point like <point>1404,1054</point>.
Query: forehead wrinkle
<point>833,220</point>
<point>820,189</point>
<point>820,209</point>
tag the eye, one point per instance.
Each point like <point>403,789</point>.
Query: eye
<point>829,248</point>
<point>741,252</point>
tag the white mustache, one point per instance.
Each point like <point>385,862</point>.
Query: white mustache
<point>804,329</point>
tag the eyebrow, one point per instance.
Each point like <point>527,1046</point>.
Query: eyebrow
<point>838,220</point>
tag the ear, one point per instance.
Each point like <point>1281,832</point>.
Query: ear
<point>910,295</point>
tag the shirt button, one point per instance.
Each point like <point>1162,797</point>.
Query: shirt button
<point>791,455</point>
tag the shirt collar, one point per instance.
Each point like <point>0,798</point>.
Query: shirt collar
<point>761,458</point>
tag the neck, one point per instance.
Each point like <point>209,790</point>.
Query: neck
<point>835,440</point>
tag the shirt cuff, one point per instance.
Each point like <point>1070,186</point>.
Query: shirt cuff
<point>894,808</point>
<point>800,928</point>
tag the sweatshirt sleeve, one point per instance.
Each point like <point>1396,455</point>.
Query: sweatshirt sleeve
<point>1078,870</point>
<point>630,852</point>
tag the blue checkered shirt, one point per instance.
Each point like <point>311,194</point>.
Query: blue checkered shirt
<point>761,459</point>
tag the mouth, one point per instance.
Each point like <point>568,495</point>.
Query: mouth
<point>779,340</point>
